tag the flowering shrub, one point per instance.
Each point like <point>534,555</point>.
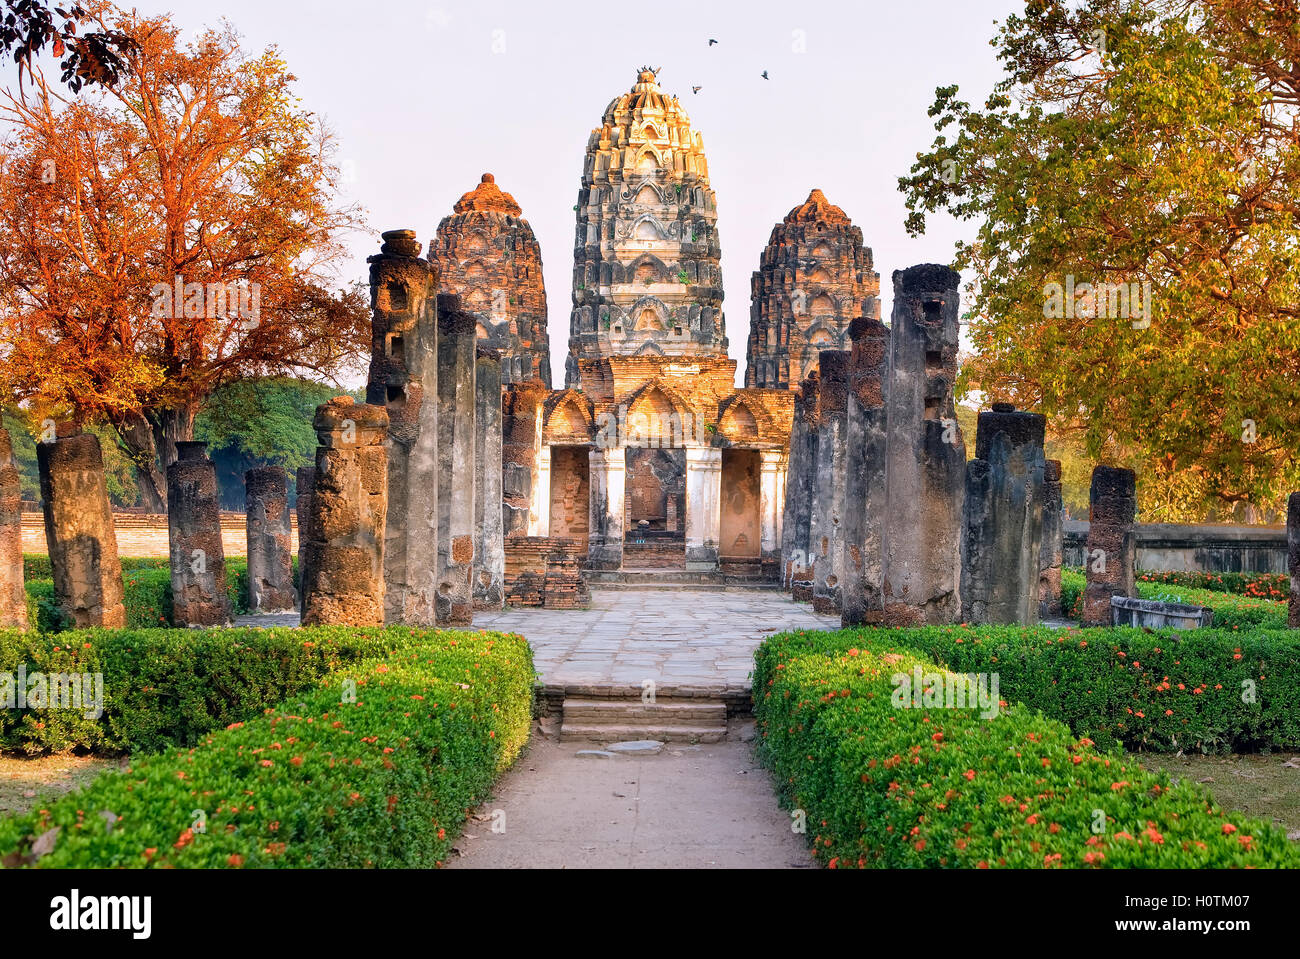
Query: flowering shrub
<point>384,781</point>
<point>1249,610</point>
<point>891,787</point>
<point>1205,689</point>
<point>165,688</point>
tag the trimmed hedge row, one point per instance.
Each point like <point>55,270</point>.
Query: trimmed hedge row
<point>37,565</point>
<point>384,781</point>
<point>1274,586</point>
<point>932,787</point>
<point>148,596</point>
<point>1231,611</point>
<point>1211,690</point>
<point>165,688</point>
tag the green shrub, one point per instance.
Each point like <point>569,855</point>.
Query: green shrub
<point>384,781</point>
<point>148,594</point>
<point>37,565</point>
<point>882,786</point>
<point>1230,610</point>
<point>165,688</point>
<point>1211,690</point>
<point>1274,586</point>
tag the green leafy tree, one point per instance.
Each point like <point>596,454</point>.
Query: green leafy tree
<point>1151,144</point>
<point>264,422</point>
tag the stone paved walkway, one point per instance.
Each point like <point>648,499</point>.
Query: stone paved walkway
<point>674,637</point>
<point>690,807</point>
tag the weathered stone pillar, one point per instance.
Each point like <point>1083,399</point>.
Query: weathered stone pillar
<point>457,335</point>
<point>198,558</point>
<point>270,538</point>
<point>1293,557</point>
<point>79,530</point>
<point>800,493</point>
<point>13,595</point>
<point>345,554</point>
<point>926,453</point>
<point>521,444</point>
<point>829,480</point>
<point>1053,545</point>
<point>864,487</point>
<point>1002,530</point>
<point>404,381</point>
<point>306,482</point>
<point>771,492</point>
<point>608,487</point>
<point>540,513</point>
<point>703,507</point>
<point>489,545</point>
<point>1111,548</point>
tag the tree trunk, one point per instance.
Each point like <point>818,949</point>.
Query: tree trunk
<point>150,438</point>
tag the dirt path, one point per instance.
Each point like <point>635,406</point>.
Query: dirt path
<point>689,807</point>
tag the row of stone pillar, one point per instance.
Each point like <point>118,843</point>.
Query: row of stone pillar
<point>886,522</point>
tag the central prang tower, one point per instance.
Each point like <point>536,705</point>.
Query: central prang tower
<point>646,262</point>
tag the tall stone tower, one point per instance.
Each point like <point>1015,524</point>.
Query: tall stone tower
<point>487,254</point>
<point>815,277</point>
<point>646,274</point>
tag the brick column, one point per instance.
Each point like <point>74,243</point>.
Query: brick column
<point>608,479</point>
<point>404,381</point>
<point>1053,547</point>
<point>79,530</point>
<point>1109,554</point>
<point>1002,529</point>
<point>489,545</point>
<point>306,482</point>
<point>198,558</point>
<point>345,555</point>
<point>864,487</point>
<point>703,502</point>
<point>828,478</point>
<point>270,536</point>
<point>926,452</point>
<point>457,338</point>
<point>771,487</point>
<point>13,596</point>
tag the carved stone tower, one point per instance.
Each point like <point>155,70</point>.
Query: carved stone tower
<point>646,275</point>
<point>814,279</point>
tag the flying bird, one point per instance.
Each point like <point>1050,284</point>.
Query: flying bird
<point>696,89</point>
<point>712,42</point>
<point>765,76</point>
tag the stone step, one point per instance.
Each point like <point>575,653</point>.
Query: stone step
<point>602,733</point>
<point>674,712</point>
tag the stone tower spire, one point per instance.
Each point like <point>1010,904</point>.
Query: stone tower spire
<point>487,254</point>
<point>646,275</point>
<point>815,277</point>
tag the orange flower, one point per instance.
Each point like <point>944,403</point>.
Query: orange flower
<point>1229,829</point>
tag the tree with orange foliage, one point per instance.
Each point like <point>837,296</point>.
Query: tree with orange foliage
<point>165,235</point>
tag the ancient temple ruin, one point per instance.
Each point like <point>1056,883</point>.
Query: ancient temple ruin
<point>647,279</point>
<point>485,252</point>
<point>814,278</point>
<point>877,474</point>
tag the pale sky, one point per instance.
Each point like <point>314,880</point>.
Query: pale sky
<point>426,96</point>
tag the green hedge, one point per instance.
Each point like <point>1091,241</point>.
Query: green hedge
<point>165,688</point>
<point>384,781</point>
<point>1272,586</point>
<point>882,786</point>
<point>1231,611</point>
<point>148,593</point>
<point>37,565</point>
<point>1211,690</point>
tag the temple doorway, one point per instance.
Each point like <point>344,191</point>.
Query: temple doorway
<point>740,507</point>
<point>570,494</point>
<point>655,504</point>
